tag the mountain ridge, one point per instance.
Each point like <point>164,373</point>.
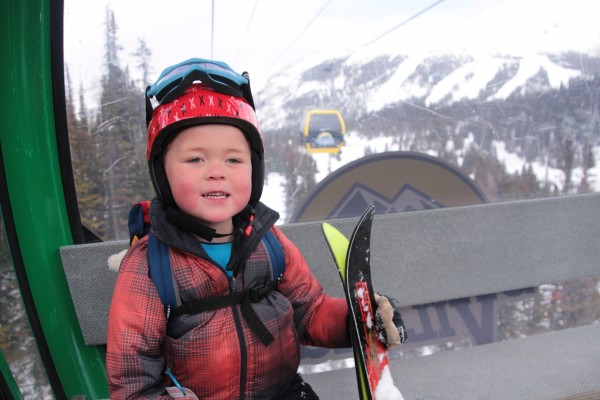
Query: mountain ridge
<point>540,108</point>
<point>429,79</point>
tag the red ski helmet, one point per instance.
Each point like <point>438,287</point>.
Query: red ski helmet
<point>199,104</point>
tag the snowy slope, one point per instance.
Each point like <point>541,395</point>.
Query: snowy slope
<point>370,83</point>
<point>274,191</point>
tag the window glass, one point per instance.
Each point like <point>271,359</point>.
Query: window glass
<point>501,91</point>
<point>495,99</point>
<point>16,339</point>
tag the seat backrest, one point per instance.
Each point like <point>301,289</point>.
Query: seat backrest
<point>418,257</point>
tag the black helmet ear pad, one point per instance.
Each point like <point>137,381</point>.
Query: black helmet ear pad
<point>158,176</point>
<point>258,177</point>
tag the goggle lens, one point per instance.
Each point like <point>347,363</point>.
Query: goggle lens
<point>173,81</point>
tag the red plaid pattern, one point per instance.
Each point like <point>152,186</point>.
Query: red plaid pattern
<point>214,353</point>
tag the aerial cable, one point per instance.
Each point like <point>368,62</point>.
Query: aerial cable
<point>212,30</point>
<point>246,32</point>
<point>300,34</point>
<point>403,23</point>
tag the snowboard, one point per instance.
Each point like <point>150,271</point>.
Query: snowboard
<point>352,258</point>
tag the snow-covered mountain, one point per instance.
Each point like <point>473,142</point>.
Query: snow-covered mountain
<point>537,112</point>
<point>368,84</point>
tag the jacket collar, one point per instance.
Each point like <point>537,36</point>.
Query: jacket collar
<point>264,219</point>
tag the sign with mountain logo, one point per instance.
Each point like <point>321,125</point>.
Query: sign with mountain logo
<point>393,182</point>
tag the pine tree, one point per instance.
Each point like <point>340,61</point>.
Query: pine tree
<point>90,189</point>
<point>299,173</point>
<point>120,133</point>
<point>567,161</point>
<point>589,162</point>
<point>143,54</point>
<point>87,184</point>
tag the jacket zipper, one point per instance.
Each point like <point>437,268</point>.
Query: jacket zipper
<point>243,349</point>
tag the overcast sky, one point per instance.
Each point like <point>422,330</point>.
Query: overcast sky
<point>265,36</point>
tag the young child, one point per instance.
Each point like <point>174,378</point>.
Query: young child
<point>205,155</point>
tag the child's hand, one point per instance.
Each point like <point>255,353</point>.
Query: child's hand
<point>388,322</point>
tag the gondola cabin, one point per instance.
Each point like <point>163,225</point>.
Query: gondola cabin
<point>501,300</point>
<point>324,131</point>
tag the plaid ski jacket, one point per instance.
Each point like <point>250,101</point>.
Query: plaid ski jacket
<point>214,353</point>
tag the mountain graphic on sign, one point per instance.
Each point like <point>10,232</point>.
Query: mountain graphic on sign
<point>408,198</point>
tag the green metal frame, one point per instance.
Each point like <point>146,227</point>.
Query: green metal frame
<point>8,378</point>
<point>29,152</point>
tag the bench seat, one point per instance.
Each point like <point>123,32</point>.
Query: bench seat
<point>431,257</point>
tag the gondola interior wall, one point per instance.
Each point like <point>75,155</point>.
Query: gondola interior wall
<point>34,203</point>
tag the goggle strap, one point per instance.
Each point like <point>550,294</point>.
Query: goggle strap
<point>170,92</point>
<point>246,92</point>
<point>149,107</point>
<point>176,88</point>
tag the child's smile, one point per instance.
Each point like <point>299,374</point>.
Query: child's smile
<point>216,195</point>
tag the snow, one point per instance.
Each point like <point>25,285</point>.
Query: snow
<point>330,365</point>
<point>360,293</point>
<point>386,390</point>
<point>274,194</point>
<point>354,149</point>
<point>546,174</point>
<point>528,67</point>
<point>398,87</point>
<point>466,82</point>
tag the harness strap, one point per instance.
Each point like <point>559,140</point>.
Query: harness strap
<point>158,255</point>
<point>275,254</point>
<point>245,298</point>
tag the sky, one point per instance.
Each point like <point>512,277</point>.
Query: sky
<point>265,37</point>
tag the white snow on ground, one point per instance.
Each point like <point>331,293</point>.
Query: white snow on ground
<point>354,148</point>
<point>545,173</point>
<point>330,365</point>
<point>274,194</point>
<point>386,390</point>
<point>467,81</point>
<point>398,87</point>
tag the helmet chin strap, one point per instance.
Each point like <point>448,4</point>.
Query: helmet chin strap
<point>193,225</point>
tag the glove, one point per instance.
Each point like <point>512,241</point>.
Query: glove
<point>388,322</point>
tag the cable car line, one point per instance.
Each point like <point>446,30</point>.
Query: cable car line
<point>246,32</point>
<point>300,34</point>
<point>403,22</point>
<point>212,28</point>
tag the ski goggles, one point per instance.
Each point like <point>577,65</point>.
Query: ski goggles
<point>219,76</point>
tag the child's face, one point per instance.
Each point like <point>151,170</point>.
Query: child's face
<point>210,173</point>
